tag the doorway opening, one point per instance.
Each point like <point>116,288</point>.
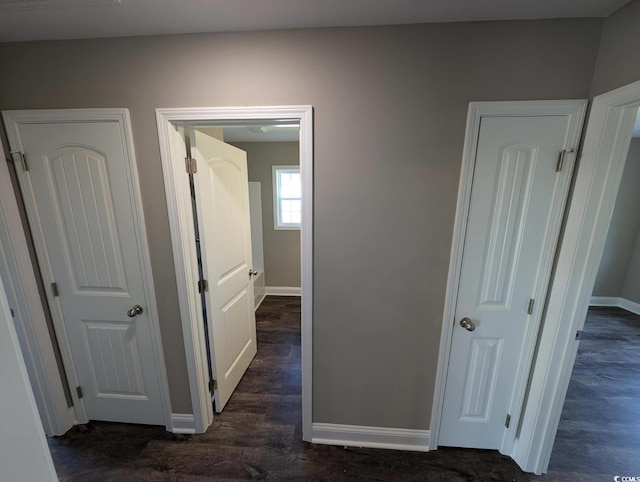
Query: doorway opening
<point>174,128</point>
<point>597,181</point>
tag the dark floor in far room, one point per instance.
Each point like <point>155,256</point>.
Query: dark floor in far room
<point>599,431</point>
<point>258,436</point>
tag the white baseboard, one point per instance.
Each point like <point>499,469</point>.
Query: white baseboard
<point>260,302</point>
<point>370,437</point>
<point>604,301</point>
<point>623,303</point>
<point>183,423</point>
<point>629,305</point>
<point>283,290</point>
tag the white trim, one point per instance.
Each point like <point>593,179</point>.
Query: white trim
<point>260,302</point>
<point>371,437</point>
<point>25,453</point>
<point>604,301</point>
<point>17,272</point>
<point>613,301</point>
<point>283,291</point>
<point>604,153</point>
<point>12,120</point>
<point>629,305</point>
<point>183,423</point>
<point>181,226</point>
<point>575,109</point>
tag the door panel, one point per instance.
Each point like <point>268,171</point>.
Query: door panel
<point>84,211</point>
<point>514,217</point>
<point>222,200</point>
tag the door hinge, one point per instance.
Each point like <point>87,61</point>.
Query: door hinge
<point>530,306</point>
<point>54,289</point>
<point>560,160</point>
<point>17,156</point>
<point>578,334</point>
<point>213,385</point>
<point>507,421</point>
<point>190,165</point>
<point>203,285</point>
<point>79,391</point>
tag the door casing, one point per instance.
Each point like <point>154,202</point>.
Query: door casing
<point>12,119</point>
<point>576,110</point>
<point>172,153</point>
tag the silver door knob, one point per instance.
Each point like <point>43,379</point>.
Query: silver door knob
<point>252,272</point>
<point>136,310</point>
<point>467,324</point>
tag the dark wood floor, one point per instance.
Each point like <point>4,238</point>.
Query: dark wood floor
<point>258,436</point>
<point>599,431</point>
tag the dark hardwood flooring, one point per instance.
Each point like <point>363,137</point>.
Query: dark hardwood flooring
<point>258,435</point>
<point>599,431</point>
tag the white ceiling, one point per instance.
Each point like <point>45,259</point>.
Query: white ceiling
<point>267,133</point>
<point>22,20</point>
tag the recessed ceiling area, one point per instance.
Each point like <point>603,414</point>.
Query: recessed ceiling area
<point>23,20</point>
<point>266,131</point>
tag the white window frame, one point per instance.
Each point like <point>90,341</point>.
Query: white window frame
<point>277,225</point>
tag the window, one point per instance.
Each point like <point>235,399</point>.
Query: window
<point>287,197</point>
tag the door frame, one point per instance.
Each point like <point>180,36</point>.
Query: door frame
<point>30,320</point>
<point>575,109</point>
<point>604,154</point>
<point>172,153</point>
<point>12,119</point>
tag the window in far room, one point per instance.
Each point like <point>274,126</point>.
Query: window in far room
<point>287,197</point>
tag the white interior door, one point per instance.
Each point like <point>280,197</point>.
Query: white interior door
<point>81,206</point>
<point>515,210</point>
<point>222,200</point>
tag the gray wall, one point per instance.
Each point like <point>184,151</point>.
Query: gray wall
<point>623,229</point>
<point>390,106</point>
<point>281,247</point>
<point>619,50</point>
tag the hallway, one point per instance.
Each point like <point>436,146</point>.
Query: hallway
<point>258,436</point>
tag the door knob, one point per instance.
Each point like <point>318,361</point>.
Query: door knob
<point>136,310</point>
<point>467,324</point>
<point>252,272</point>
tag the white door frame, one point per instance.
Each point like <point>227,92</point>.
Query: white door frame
<point>606,145</point>
<point>12,119</point>
<point>575,109</point>
<point>30,322</point>
<point>172,153</point>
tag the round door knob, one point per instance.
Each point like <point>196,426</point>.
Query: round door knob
<point>252,272</point>
<point>136,310</point>
<point>467,324</point>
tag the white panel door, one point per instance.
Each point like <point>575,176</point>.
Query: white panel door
<point>222,200</point>
<point>514,217</point>
<point>81,207</point>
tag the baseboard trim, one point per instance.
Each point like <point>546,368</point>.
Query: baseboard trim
<point>623,303</point>
<point>604,301</point>
<point>283,291</point>
<point>629,305</point>
<point>370,437</point>
<point>260,302</point>
<point>183,423</point>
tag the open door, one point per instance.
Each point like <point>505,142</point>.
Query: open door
<point>222,200</point>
